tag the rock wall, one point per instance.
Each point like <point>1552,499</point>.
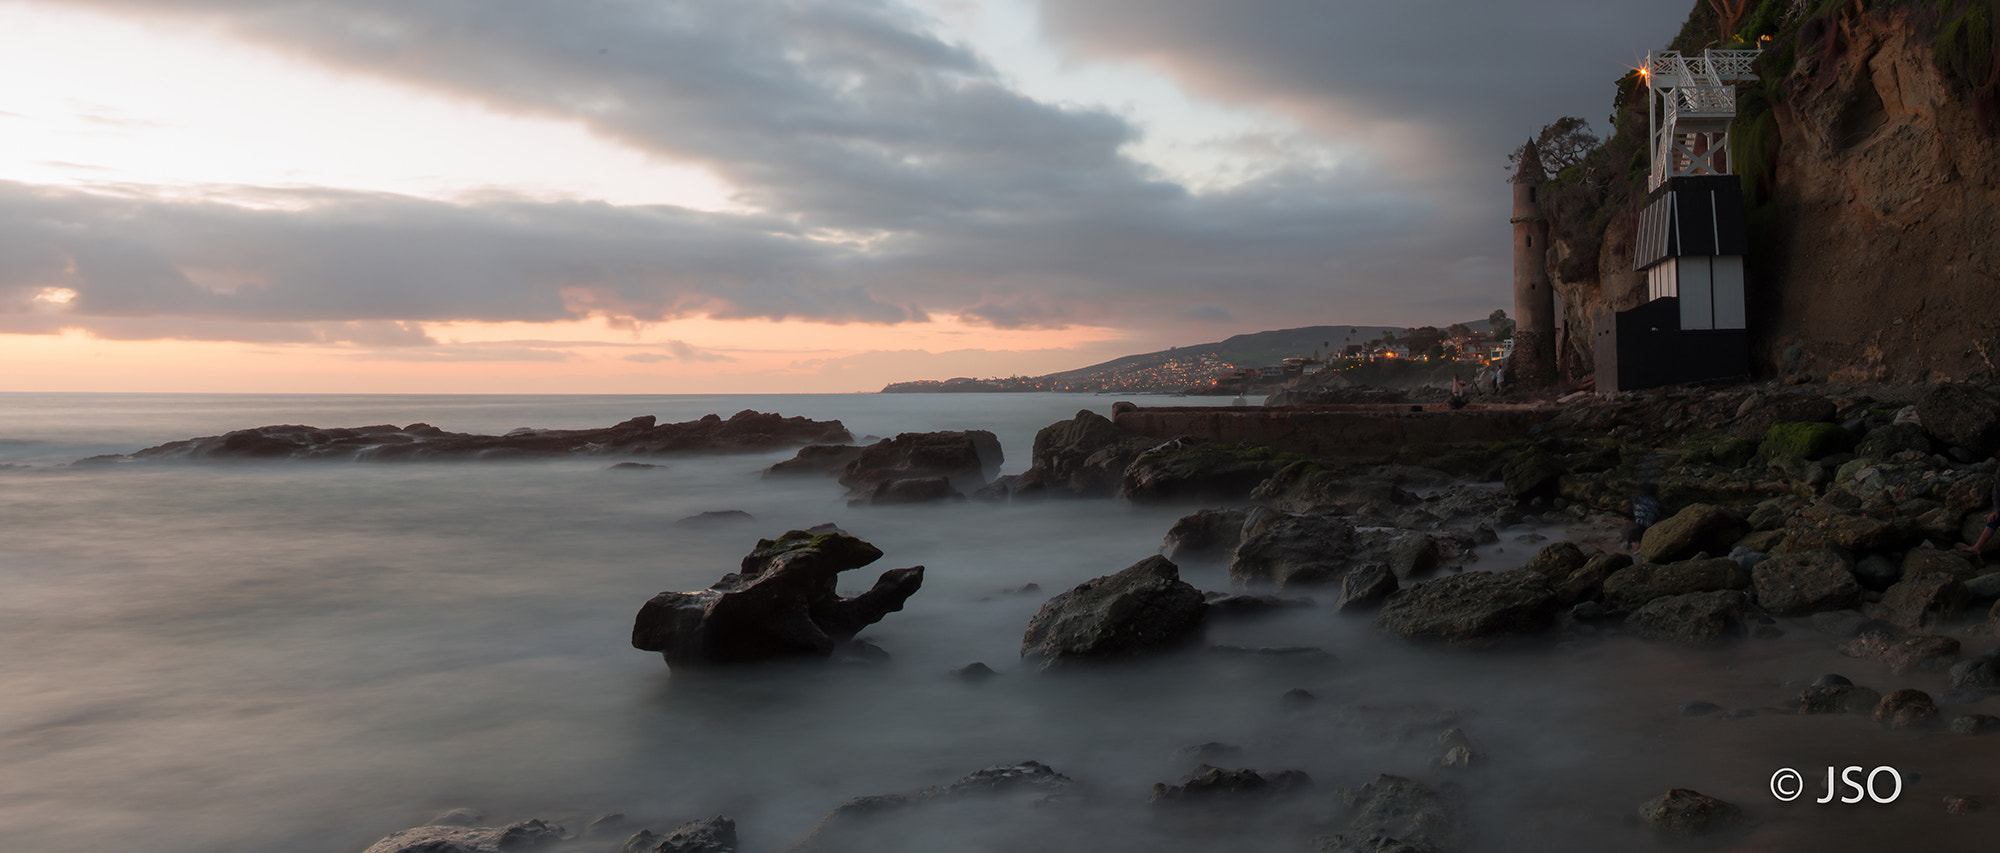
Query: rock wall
<point>1875,261</point>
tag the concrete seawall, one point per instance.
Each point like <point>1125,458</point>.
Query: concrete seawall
<point>1339,431</point>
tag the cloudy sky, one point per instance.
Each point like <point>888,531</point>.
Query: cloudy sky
<point>657,196</point>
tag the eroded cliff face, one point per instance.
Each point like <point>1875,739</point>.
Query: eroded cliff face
<point>1881,259</point>
<point>1882,263</point>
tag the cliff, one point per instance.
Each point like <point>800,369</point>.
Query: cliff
<point>1870,157</point>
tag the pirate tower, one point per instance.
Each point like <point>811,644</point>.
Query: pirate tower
<point>1693,325</point>
<point>1533,364</point>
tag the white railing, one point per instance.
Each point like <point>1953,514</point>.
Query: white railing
<point>1669,69</point>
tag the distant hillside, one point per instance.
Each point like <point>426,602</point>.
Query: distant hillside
<point>1179,368</point>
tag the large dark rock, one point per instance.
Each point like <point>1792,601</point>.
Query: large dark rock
<point>1210,534</point>
<point>1182,470</point>
<point>1083,457</point>
<point>707,835</point>
<point>1293,549</point>
<point>781,604</point>
<point>1366,588</point>
<point>1903,653</point>
<point>528,835</point>
<point>1906,708</point>
<point>1532,473</point>
<point>823,459</point>
<point>1214,785</point>
<point>872,822</point>
<point>1685,813</point>
<point>1922,601</point>
<point>910,490</point>
<point>1307,486</point>
<point>1803,583</point>
<point>1961,415</point>
<point>1696,528</point>
<point>1472,607</point>
<point>1393,814</point>
<point>966,458</point>
<point>1694,619</point>
<point>1586,583</point>
<point>1632,587</point>
<point>1143,609</point>
<point>743,432</point>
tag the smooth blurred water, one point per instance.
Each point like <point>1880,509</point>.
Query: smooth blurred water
<point>306,657</point>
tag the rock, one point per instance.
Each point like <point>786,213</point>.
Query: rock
<point>1980,673</point>
<point>1032,777</point>
<point>1143,609</point>
<point>1903,653</point>
<point>1085,456</point>
<point>528,835</point>
<point>1698,527</point>
<point>1205,753</point>
<point>1758,414</point>
<point>916,490</point>
<point>707,835</point>
<point>1877,572</point>
<point>745,431</point>
<point>968,458</point>
<point>1587,582</point>
<point>1847,624</point>
<point>1694,619</point>
<point>1699,708</point>
<point>636,466</point>
<point>1532,473</point>
<point>1216,785</point>
<point>1454,750</point>
<point>1632,587</point>
<point>1932,561</point>
<point>1961,804</point>
<point>1801,583</point>
<point>458,817</point>
<point>1209,534</point>
<point>1393,813</point>
<point>1838,699</point>
<point>1975,724</point>
<point>1906,708</point>
<point>1472,607</point>
<point>1863,533</point>
<point>1181,471</point>
<point>1311,486</point>
<point>1297,698</point>
<point>604,825</point>
<point>1685,813</point>
<point>1921,601</point>
<point>1556,561</point>
<point>974,671</point>
<point>822,459</point>
<point>1365,588</point>
<point>781,603</point>
<point>1961,415</point>
<point>1227,605</point>
<point>1292,549</point>
<point>1799,442</point>
<point>715,517</point>
<point>1984,588</point>
<point>1888,440</point>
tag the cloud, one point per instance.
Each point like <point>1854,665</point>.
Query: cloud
<point>678,351</point>
<point>895,174</point>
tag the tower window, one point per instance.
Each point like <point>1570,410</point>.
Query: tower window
<point>1531,194</point>
<point>1531,241</point>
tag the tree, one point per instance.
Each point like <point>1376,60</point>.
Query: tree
<point>1458,330</point>
<point>1424,338</point>
<point>1561,143</point>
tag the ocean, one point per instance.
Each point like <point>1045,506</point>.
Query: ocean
<point>305,657</point>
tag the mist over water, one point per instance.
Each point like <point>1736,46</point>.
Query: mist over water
<point>309,656</point>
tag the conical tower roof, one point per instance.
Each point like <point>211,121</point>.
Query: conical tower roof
<point>1531,165</point>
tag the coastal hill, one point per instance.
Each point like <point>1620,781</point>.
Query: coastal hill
<point>1179,368</point>
<point>1869,153</point>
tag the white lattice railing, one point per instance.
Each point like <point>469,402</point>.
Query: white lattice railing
<point>1668,69</point>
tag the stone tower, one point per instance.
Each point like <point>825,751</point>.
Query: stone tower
<point>1533,364</point>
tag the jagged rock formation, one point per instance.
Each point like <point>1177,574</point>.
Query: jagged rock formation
<point>641,436</point>
<point>781,604</point>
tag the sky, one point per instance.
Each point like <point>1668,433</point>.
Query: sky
<point>654,196</point>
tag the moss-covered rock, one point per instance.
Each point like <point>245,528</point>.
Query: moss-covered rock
<point>1800,440</point>
<point>1532,473</point>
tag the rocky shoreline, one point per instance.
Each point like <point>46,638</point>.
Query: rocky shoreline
<point>1786,512</point>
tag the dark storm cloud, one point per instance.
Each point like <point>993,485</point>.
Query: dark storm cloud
<point>1475,78</point>
<point>898,174</point>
